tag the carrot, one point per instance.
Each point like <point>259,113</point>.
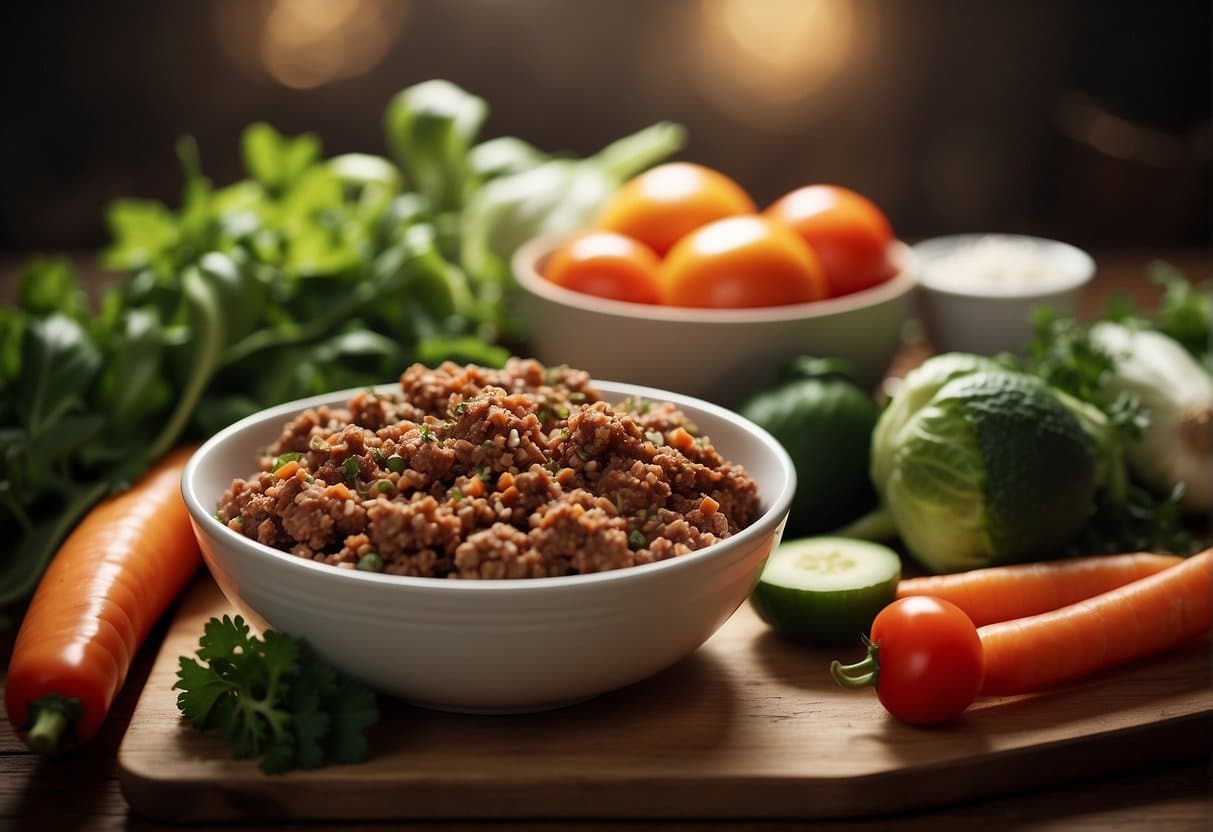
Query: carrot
<point>113,577</point>
<point>1131,622</point>
<point>1001,593</point>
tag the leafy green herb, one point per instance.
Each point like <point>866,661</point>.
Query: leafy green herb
<point>311,274</point>
<point>283,459</point>
<point>350,467</point>
<point>1129,517</point>
<point>273,699</point>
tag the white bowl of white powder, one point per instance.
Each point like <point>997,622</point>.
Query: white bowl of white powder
<point>977,291</point>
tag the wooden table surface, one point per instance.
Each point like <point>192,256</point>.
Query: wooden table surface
<point>80,790</point>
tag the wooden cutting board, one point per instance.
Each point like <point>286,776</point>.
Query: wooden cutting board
<point>748,726</point>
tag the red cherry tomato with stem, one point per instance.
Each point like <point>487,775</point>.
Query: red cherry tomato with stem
<point>924,659</point>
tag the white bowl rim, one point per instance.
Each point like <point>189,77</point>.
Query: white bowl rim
<point>766,523</point>
<point>1083,265</point>
<point>526,272</point>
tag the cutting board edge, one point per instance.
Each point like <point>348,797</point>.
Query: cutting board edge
<point>819,798</point>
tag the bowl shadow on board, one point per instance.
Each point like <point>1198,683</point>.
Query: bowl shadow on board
<point>628,720</point>
<point>801,665</point>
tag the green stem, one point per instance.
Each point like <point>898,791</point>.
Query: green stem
<point>46,735</point>
<point>51,721</point>
<point>624,158</point>
<point>209,348</point>
<point>861,674</point>
<point>24,568</point>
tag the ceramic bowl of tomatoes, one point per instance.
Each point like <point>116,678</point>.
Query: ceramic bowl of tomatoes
<point>684,284</point>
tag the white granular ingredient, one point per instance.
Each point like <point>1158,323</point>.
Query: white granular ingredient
<point>996,265</point>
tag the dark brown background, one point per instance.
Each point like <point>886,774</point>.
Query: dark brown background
<point>1088,121</point>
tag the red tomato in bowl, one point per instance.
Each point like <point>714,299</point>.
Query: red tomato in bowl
<point>745,261</point>
<point>606,265</point>
<point>847,232</point>
<point>661,206</point>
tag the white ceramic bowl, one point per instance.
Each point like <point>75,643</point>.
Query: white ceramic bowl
<point>987,318</point>
<point>721,355</point>
<point>492,645</point>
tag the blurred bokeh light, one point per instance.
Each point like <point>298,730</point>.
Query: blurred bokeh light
<point>303,44</point>
<point>1085,120</point>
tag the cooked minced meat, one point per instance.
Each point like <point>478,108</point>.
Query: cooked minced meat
<point>467,472</point>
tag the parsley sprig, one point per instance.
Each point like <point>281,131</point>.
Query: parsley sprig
<point>273,699</point>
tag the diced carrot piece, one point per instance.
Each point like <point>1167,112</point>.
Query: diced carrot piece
<point>474,488</point>
<point>288,470</point>
<point>339,491</point>
<point>505,481</point>
<point>510,496</point>
<point>708,506</point>
<point>681,439</point>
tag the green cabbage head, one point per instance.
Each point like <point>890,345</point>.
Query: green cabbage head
<point>980,465</point>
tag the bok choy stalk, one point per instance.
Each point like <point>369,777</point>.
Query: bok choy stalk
<point>554,198</point>
<point>488,199</point>
<point>1175,448</point>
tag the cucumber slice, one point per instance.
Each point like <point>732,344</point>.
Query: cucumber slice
<point>826,590</point>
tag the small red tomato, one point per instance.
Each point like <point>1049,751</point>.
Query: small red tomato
<point>740,262</point>
<point>661,206</point>
<point>925,659</point>
<point>848,233</point>
<point>607,265</point>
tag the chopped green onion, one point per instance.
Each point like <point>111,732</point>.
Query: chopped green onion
<point>484,472</point>
<point>385,486</point>
<point>456,493</point>
<point>283,459</point>
<point>562,412</point>
<point>576,396</point>
<point>636,539</point>
<point>426,434</point>
<point>370,562</point>
<point>396,463</point>
<point>377,455</point>
<point>320,444</point>
<point>351,467</point>
<point>655,437</point>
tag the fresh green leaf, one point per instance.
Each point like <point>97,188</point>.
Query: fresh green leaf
<point>49,285</point>
<point>59,363</point>
<point>1186,313</point>
<point>275,160</point>
<point>273,699</point>
<point>144,232</point>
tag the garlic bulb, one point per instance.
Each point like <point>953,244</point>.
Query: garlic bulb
<point>1178,444</point>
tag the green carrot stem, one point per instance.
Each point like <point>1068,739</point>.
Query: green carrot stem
<point>46,734</point>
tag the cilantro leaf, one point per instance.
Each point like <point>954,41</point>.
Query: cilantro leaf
<point>273,699</point>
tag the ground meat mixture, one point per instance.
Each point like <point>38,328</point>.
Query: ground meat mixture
<point>467,472</point>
